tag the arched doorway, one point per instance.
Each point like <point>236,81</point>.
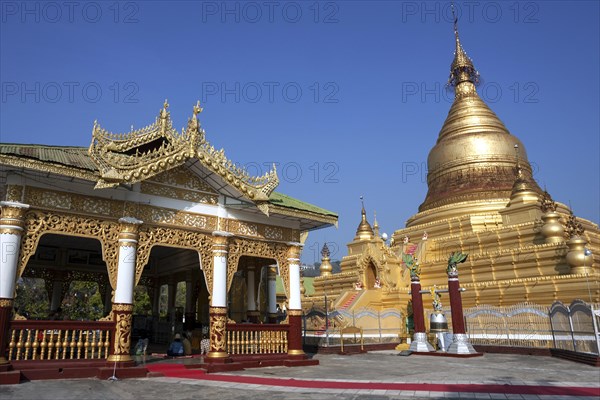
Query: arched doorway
<point>74,277</point>
<point>177,293</point>
<point>370,275</point>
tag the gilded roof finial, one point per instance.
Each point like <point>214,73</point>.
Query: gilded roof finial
<point>375,224</point>
<point>164,114</point>
<point>518,168</point>
<point>462,68</point>
<point>325,251</point>
<point>197,108</point>
<point>326,267</point>
<point>364,230</point>
<point>522,183</point>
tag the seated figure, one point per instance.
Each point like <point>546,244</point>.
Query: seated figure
<point>176,347</point>
<point>377,284</point>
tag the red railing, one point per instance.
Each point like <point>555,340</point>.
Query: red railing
<point>59,340</point>
<point>257,338</point>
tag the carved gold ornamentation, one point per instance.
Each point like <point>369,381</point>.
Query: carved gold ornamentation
<point>153,214</point>
<point>276,233</point>
<point>150,151</point>
<point>39,222</point>
<point>178,193</point>
<point>150,236</point>
<point>140,154</point>
<point>110,208</point>
<point>12,216</point>
<point>108,317</point>
<point>294,313</point>
<point>218,324</point>
<point>122,332</point>
<point>14,193</point>
<point>260,231</point>
<point>574,227</point>
<point>244,247</point>
<point>58,200</point>
<point>243,228</point>
<point>181,177</point>
<point>5,303</point>
<point>120,307</point>
<point>547,204</point>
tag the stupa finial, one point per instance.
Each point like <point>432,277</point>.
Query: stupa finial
<point>462,68</point>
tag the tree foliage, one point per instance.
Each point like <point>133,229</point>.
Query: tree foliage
<point>83,302</point>
<point>32,298</point>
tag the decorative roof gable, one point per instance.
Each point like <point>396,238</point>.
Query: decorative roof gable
<point>139,155</point>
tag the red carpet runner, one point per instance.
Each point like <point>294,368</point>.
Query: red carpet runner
<point>179,371</point>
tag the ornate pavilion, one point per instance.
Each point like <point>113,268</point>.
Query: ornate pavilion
<point>482,200</point>
<point>150,207</point>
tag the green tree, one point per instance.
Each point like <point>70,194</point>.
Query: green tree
<point>32,298</point>
<point>82,302</point>
<point>142,304</point>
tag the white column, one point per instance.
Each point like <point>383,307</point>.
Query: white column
<point>272,289</point>
<point>219,289</point>
<point>294,265</point>
<point>127,257</point>
<point>11,227</point>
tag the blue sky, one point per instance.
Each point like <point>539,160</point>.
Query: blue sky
<point>347,97</point>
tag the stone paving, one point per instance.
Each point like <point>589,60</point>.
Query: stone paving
<point>374,368</point>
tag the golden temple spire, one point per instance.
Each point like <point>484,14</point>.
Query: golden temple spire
<point>522,184</point>
<point>375,224</point>
<point>326,267</point>
<point>364,230</point>
<point>462,68</point>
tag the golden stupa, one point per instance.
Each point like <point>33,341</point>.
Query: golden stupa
<point>482,200</point>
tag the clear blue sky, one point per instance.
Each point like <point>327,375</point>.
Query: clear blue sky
<point>371,76</point>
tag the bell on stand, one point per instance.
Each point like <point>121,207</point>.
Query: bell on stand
<point>438,325</point>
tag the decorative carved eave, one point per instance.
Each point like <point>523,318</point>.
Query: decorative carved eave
<point>140,154</point>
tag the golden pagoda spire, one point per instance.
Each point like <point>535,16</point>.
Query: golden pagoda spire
<point>326,266</point>
<point>522,184</point>
<point>473,159</point>
<point>462,68</point>
<point>364,230</point>
<point>375,224</point>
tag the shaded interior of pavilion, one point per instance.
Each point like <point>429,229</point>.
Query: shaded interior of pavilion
<point>67,279</point>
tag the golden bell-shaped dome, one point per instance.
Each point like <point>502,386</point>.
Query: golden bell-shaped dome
<point>474,157</point>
